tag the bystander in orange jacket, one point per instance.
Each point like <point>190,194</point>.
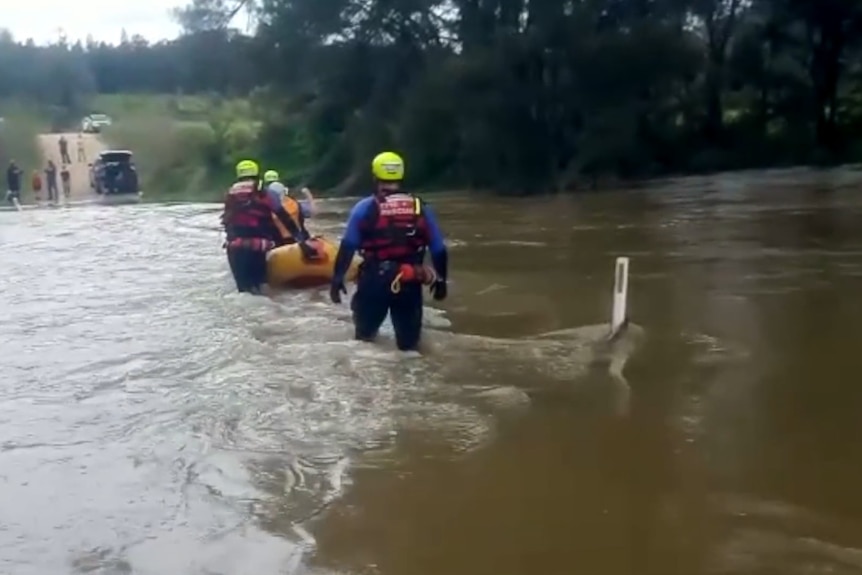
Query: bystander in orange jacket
<point>36,185</point>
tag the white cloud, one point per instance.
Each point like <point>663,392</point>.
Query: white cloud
<point>43,20</point>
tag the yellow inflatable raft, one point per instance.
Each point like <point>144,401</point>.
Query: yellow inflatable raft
<point>287,268</point>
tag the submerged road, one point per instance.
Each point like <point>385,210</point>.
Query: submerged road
<point>79,172</point>
<point>154,422</point>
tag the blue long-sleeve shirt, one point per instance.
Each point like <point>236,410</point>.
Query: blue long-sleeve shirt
<point>352,239</point>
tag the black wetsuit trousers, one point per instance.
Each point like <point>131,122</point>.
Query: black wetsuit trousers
<point>248,268</point>
<point>374,299</point>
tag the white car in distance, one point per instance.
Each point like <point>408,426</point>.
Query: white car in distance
<point>94,123</point>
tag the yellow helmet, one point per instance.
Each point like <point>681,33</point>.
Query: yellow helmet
<point>247,169</point>
<point>388,167</point>
<point>270,176</point>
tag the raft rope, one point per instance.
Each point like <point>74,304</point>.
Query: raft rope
<point>430,275</point>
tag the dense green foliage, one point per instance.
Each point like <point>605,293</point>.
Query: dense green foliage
<point>19,125</point>
<point>184,145</point>
<point>506,94</point>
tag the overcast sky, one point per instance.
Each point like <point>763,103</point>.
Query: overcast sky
<point>103,19</point>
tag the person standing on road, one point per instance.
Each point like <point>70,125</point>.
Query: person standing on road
<point>13,182</point>
<point>64,151</point>
<point>66,179</point>
<point>36,185</point>
<point>82,156</point>
<point>51,181</point>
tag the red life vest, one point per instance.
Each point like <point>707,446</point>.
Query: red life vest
<point>247,212</point>
<point>395,230</point>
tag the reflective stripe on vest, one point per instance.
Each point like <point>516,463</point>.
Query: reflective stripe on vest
<point>395,230</point>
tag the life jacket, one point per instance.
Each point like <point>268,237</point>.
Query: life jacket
<point>247,212</point>
<point>394,230</point>
<point>294,210</point>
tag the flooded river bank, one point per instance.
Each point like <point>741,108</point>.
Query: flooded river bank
<point>154,422</point>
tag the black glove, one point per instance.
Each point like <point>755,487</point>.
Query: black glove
<point>439,290</point>
<point>308,252</point>
<point>336,289</point>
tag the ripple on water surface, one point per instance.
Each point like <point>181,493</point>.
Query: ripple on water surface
<point>152,420</point>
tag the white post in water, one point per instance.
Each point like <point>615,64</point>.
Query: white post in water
<point>621,293</point>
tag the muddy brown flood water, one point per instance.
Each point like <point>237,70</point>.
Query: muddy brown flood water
<point>152,422</point>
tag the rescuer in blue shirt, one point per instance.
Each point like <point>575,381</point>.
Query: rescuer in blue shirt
<point>392,230</point>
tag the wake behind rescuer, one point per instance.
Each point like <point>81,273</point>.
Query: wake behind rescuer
<point>392,230</point>
<point>249,218</point>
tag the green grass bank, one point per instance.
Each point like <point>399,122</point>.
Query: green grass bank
<point>185,146</point>
<point>20,126</point>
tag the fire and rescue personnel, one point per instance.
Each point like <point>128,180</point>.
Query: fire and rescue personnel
<point>298,210</point>
<point>249,215</point>
<point>392,230</point>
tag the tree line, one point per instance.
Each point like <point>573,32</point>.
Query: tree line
<point>65,73</point>
<point>514,95</point>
